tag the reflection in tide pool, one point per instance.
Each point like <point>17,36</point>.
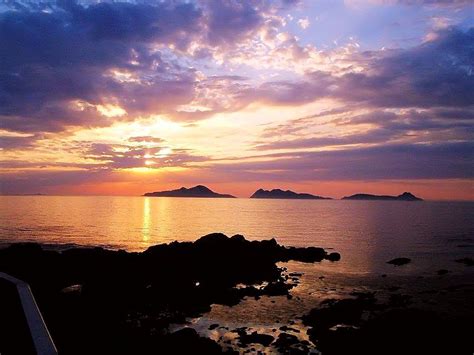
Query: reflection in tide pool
<point>366,233</point>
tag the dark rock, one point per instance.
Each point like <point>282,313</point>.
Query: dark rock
<point>295,274</point>
<point>127,300</point>
<point>466,261</point>
<point>286,340</point>
<point>277,289</point>
<point>442,272</point>
<point>397,300</point>
<point>399,261</point>
<point>213,326</point>
<point>187,341</point>
<point>334,257</point>
<point>401,331</point>
<point>255,338</point>
<point>334,312</point>
<point>290,344</point>
<point>286,329</point>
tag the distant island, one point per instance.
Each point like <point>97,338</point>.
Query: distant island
<point>406,196</point>
<point>288,194</point>
<point>196,191</point>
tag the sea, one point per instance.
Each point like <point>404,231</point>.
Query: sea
<point>367,234</point>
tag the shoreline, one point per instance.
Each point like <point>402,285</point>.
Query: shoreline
<point>223,294</point>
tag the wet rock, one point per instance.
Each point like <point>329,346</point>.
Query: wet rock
<point>255,338</point>
<point>285,340</point>
<point>72,289</point>
<point>398,300</point>
<point>334,257</point>
<point>295,274</point>
<point>277,289</point>
<point>290,344</point>
<point>126,297</point>
<point>466,261</point>
<point>399,261</point>
<point>361,326</point>
<point>286,329</point>
<point>334,312</point>
<point>187,341</point>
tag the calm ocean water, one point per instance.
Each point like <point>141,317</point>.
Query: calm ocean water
<point>366,233</point>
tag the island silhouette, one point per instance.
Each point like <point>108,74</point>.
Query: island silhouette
<point>196,191</point>
<point>406,196</point>
<point>288,194</point>
<point>204,191</point>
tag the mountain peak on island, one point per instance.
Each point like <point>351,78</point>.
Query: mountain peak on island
<point>196,191</point>
<point>288,194</point>
<point>406,196</point>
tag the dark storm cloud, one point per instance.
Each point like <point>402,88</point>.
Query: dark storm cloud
<point>228,19</point>
<point>391,161</point>
<point>11,142</point>
<point>436,73</point>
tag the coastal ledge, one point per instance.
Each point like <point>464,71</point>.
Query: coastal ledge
<point>123,302</point>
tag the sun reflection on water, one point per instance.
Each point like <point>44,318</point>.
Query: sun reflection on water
<point>146,220</point>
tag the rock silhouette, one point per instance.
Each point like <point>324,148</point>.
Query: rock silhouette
<point>406,196</point>
<point>288,194</point>
<point>363,325</point>
<point>399,261</point>
<point>103,301</point>
<point>196,191</point>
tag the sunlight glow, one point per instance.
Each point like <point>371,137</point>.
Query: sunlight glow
<point>146,219</point>
<point>111,110</point>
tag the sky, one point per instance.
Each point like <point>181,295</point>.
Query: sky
<point>330,97</point>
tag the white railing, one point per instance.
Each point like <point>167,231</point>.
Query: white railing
<point>42,340</point>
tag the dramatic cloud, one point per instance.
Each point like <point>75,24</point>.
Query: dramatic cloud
<point>396,161</point>
<point>436,73</point>
<point>76,65</point>
<point>276,90</point>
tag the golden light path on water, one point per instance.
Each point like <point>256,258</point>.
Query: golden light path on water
<point>146,219</point>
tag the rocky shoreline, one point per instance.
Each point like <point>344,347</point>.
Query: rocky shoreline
<point>103,301</point>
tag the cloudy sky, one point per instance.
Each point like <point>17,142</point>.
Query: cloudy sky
<point>331,97</point>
